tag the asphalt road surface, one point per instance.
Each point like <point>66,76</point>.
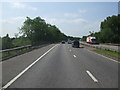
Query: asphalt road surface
<point>60,66</point>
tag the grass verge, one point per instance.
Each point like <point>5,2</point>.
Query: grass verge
<point>7,55</point>
<point>108,53</point>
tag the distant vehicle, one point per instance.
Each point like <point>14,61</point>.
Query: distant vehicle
<point>76,44</point>
<point>69,41</point>
<point>91,40</point>
<point>63,42</point>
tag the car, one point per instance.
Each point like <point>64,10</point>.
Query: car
<point>69,42</point>
<point>63,42</point>
<point>76,44</point>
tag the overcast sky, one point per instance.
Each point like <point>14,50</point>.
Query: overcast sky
<point>72,18</point>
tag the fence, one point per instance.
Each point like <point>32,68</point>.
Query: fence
<point>13,49</point>
<point>8,53</point>
<point>101,47</point>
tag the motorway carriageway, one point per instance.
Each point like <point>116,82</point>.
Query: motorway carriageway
<point>60,66</point>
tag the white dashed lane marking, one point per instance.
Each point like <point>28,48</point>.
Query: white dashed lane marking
<point>74,56</point>
<point>26,69</point>
<point>93,78</point>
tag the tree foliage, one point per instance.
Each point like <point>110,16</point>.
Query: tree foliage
<point>0,43</point>
<point>21,41</point>
<point>37,30</point>
<point>109,30</point>
<point>6,42</point>
<point>34,32</point>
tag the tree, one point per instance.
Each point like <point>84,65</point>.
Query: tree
<point>110,29</point>
<point>38,31</point>
<point>0,43</point>
<point>84,38</point>
<point>7,42</point>
<point>34,29</point>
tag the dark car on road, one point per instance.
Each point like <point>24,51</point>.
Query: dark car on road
<point>69,42</point>
<point>63,42</point>
<point>76,44</point>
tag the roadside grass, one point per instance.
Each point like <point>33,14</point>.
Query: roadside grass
<point>9,54</point>
<point>0,55</point>
<point>112,54</point>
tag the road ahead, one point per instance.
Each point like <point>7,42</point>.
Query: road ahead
<point>61,67</point>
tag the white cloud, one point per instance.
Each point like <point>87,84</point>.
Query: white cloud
<point>23,6</point>
<point>18,18</point>
<point>60,0</point>
<point>82,11</point>
<point>32,8</point>
<point>79,20</point>
<point>18,5</point>
<point>12,20</point>
<point>80,28</point>
<point>11,25</point>
<point>59,20</point>
<point>71,15</point>
<point>74,15</point>
<point>91,26</point>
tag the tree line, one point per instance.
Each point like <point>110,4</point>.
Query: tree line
<point>109,31</point>
<point>35,31</point>
<point>6,42</point>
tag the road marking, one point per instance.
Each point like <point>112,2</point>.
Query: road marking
<point>104,56</point>
<point>20,74</point>
<point>94,79</point>
<point>70,50</point>
<point>68,47</point>
<point>74,56</point>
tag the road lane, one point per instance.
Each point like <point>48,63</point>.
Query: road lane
<point>74,56</point>
<point>104,69</point>
<point>60,69</point>
<point>0,75</point>
<point>26,69</point>
<point>90,74</point>
<point>13,66</point>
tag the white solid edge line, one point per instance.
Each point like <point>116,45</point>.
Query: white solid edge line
<point>94,79</point>
<point>74,55</point>
<point>104,56</point>
<point>20,74</point>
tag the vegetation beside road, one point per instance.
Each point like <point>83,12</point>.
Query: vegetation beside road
<point>9,54</point>
<point>109,34</point>
<point>34,32</point>
<point>109,31</point>
<point>114,55</point>
<point>107,53</point>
